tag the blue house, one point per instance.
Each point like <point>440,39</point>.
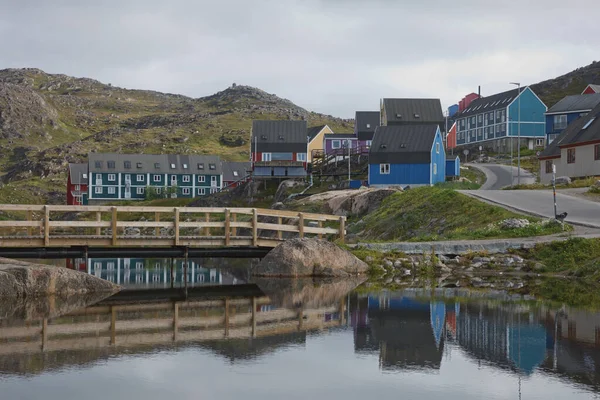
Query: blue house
<point>407,155</point>
<point>453,167</point>
<point>560,115</point>
<point>493,121</point>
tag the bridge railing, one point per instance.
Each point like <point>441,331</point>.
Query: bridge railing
<point>57,226</point>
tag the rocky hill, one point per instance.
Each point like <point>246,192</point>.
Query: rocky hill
<point>552,90</point>
<point>47,121</point>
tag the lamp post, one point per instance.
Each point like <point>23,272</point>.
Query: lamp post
<point>519,131</point>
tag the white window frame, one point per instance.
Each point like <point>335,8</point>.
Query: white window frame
<point>369,143</point>
<point>112,177</point>
<point>140,190</point>
<point>111,190</point>
<point>201,178</point>
<point>158,190</point>
<point>266,157</point>
<point>368,126</point>
<point>185,191</point>
<point>140,177</point>
<point>560,121</point>
<point>201,191</point>
<point>236,174</point>
<point>384,169</point>
<point>98,190</point>
<point>84,176</point>
<point>213,190</point>
<point>301,156</point>
<point>336,146</point>
<point>156,178</point>
<point>173,166</point>
<point>185,166</point>
<point>434,168</point>
<point>213,181</point>
<point>77,187</point>
<point>539,142</point>
<point>185,178</point>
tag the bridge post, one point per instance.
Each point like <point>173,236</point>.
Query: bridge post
<point>207,229</point>
<point>46,226</point>
<point>175,320</point>
<point>254,228</point>
<point>29,219</point>
<point>114,225</point>
<point>301,224</point>
<point>226,317</point>
<point>157,219</point>
<point>227,226</point>
<point>279,233</point>
<point>343,229</point>
<point>176,226</point>
<point>234,229</point>
<point>113,325</point>
<point>253,317</point>
<point>44,334</point>
<point>320,226</point>
<point>98,219</point>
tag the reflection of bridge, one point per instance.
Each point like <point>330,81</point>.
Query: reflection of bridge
<point>102,227</point>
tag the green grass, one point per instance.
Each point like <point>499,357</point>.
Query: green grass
<point>575,184</point>
<point>458,185</point>
<point>434,213</point>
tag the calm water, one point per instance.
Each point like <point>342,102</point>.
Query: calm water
<point>297,340</point>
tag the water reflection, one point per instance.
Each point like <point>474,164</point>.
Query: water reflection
<point>320,331</point>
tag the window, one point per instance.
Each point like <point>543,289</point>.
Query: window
<point>434,168</point>
<point>368,126</point>
<point>185,178</point>
<point>369,142</point>
<point>213,181</point>
<point>336,144</point>
<point>139,265</point>
<point>548,166</point>
<point>539,142</point>
<point>186,191</point>
<point>111,190</point>
<point>212,166</point>
<point>127,164</point>
<point>384,169</point>
<point>235,173</point>
<point>213,190</point>
<point>570,156</point>
<point>112,177</point>
<point>201,178</point>
<point>156,165</point>
<point>437,148</point>
<point>201,166</point>
<point>503,115</point>
<point>77,187</point>
<point>140,190</point>
<point>560,122</point>
<point>98,164</point>
<point>110,266</point>
<point>587,124</point>
<point>597,152</point>
<point>84,176</point>
<point>139,165</point>
<point>173,166</point>
<point>479,118</point>
<point>158,190</point>
<point>98,190</point>
<point>156,178</point>
<point>201,191</point>
<point>301,156</point>
<point>140,178</point>
<point>110,164</point>
<point>185,166</point>
<point>266,156</point>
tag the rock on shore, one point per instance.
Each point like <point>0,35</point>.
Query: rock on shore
<point>20,279</point>
<point>309,257</point>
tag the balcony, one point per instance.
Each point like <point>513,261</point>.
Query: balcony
<point>279,163</point>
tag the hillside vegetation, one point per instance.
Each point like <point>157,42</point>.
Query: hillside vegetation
<point>434,213</point>
<point>552,90</point>
<point>47,121</point>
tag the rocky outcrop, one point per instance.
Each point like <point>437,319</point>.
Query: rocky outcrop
<point>351,202</point>
<point>309,257</point>
<point>25,280</point>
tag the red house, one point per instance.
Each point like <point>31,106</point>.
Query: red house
<point>591,89</point>
<point>466,101</point>
<point>235,173</point>
<point>77,185</point>
<point>451,137</point>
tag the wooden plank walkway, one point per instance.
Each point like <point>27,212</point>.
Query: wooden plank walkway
<point>29,226</point>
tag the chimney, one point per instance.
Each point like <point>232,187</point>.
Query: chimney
<point>479,91</point>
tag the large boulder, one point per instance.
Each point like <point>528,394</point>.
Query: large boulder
<point>20,279</point>
<point>309,257</point>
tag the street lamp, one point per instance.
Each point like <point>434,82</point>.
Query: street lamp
<point>519,131</point>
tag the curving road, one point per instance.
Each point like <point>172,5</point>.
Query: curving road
<point>499,176</point>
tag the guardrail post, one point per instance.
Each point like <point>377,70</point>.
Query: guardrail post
<point>114,225</point>
<point>320,226</point>
<point>29,219</point>
<point>279,233</point>
<point>234,229</point>
<point>98,219</point>
<point>254,228</point>
<point>46,226</point>
<point>301,224</point>
<point>157,219</point>
<point>176,226</point>
<point>343,229</point>
<point>207,229</point>
<point>227,226</point>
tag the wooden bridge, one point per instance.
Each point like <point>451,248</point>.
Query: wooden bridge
<point>48,226</point>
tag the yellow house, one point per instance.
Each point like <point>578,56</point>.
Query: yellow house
<point>315,139</point>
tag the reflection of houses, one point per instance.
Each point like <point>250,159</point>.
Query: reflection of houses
<point>404,331</point>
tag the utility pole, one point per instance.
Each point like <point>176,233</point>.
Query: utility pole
<point>519,131</point>
<point>348,144</point>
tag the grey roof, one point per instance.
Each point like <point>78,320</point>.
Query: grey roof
<point>575,133</point>
<point>580,102</point>
<point>279,136</point>
<point>340,136</point>
<point>372,119</point>
<point>403,144</point>
<point>497,101</point>
<point>242,168</point>
<point>146,163</point>
<point>411,111</point>
<point>314,131</point>
<point>78,173</point>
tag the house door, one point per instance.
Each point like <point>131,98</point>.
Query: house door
<point>173,180</point>
<point>213,181</point>
<point>127,186</point>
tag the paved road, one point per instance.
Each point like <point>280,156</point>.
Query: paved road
<point>540,202</point>
<point>499,176</point>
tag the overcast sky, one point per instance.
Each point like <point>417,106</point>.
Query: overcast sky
<point>329,56</point>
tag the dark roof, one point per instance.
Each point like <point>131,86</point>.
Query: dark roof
<point>580,102</point>
<point>365,124</point>
<point>575,133</point>
<point>78,174</point>
<point>340,136</point>
<point>279,136</point>
<point>413,110</point>
<point>497,101</point>
<point>314,131</point>
<point>230,168</point>
<point>403,144</point>
<point>148,162</point>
